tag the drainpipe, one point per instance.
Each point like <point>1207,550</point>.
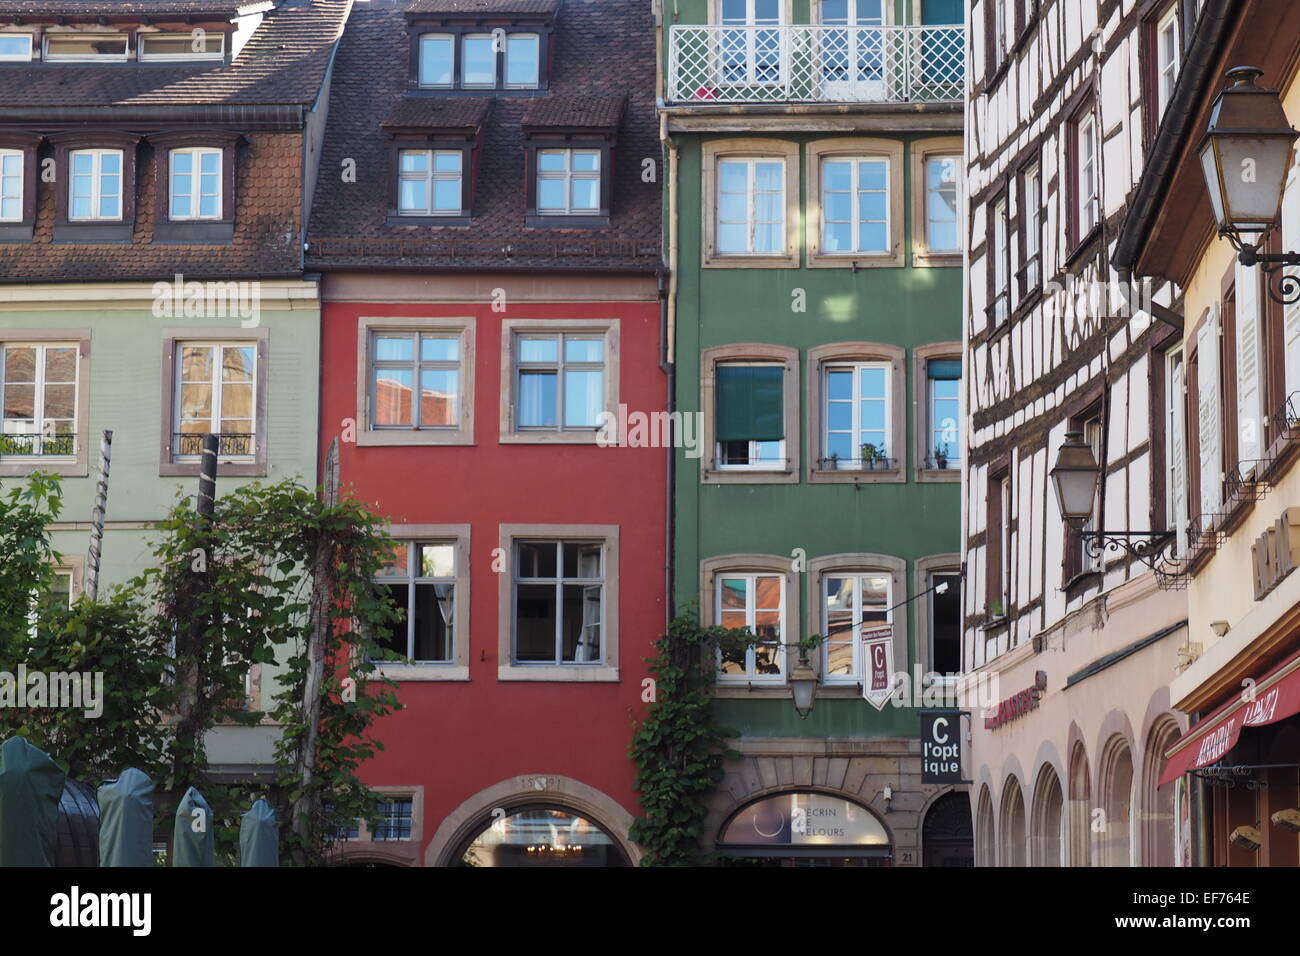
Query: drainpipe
<point>667,361</point>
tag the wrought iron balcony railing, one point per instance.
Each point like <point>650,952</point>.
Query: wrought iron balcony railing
<point>229,444</point>
<point>816,64</point>
<point>38,446</point>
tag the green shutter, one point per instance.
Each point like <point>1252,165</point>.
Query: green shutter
<point>945,369</point>
<point>751,405</point>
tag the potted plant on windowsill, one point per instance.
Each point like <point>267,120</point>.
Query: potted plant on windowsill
<point>941,457</point>
<point>868,455</point>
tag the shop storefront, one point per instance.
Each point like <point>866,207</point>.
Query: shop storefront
<point>805,829</point>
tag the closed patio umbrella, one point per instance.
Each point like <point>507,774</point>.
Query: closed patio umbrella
<point>31,784</point>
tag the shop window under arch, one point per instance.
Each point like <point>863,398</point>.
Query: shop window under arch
<point>541,836</point>
<point>805,828</point>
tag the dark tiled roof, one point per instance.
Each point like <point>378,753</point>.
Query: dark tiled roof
<point>604,50</point>
<point>597,112</point>
<point>283,63</point>
<point>424,112</point>
<point>483,6</point>
<point>51,8</point>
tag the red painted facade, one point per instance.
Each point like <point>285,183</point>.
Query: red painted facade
<point>454,739</point>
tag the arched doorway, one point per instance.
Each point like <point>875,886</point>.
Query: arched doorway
<point>1047,834</point>
<point>1117,795</point>
<point>946,838</point>
<point>1013,825</point>
<point>1080,809</point>
<point>1161,836</point>
<point>805,829</point>
<point>985,846</point>
<point>540,836</point>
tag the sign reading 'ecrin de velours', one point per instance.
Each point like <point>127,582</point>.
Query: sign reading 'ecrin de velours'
<point>941,746</point>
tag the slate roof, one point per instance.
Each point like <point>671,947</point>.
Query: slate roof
<point>483,6</point>
<point>50,8</point>
<point>604,59</point>
<point>426,112</point>
<point>283,63</point>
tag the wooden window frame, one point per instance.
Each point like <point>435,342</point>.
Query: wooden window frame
<point>710,358</point>
<point>26,144</point>
<point>818,358</point>
<point>997,590</point>
<point>719,149</point>
<point>719,566</point>
<point>1027,293</point>
<point>511,329</point>
<point>922,150</point>
<point>463,433</point>
<point>467,143</point>
<point>194,231</point>
<point>78,466</point>
<point>921,356</point>
<point>846,565</point>
<point>922,569</point>
<point>543,28</point>
<point>168,466</point>
<point>854,148</point>
<point>536,142</point>
<point>458,535</point>
<point>607,670</point>
<point>107,231</point>
<point>1001,198</point>
<point>1075,237</point>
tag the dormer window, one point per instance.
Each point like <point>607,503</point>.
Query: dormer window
<point>86,47</point>
<point>195,45</point>
<point>430,182</point>
<point>481,44</point>
<point>568,182</point>
<point>11,185</point>
<point>570,151</point>
<point>195,193</point>
<point>487,61</point>
<point>95,190</point>
<point>15,47</point>
<point>433,166</point>
<point>195,184</point>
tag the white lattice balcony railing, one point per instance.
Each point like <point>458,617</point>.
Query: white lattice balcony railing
<point>816,64</point>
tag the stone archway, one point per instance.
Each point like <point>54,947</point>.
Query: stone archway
<point>946,836</point>
<point>530,790</point>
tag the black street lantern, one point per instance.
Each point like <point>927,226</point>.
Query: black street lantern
<point>1245,156</point>
<point>1075,476</point>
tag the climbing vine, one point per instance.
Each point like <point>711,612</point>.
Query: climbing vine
<point>679,750</point>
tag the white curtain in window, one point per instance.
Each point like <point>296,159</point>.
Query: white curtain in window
<point>1207,387</point>
<point>1249,396</point>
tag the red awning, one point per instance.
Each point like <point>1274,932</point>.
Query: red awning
<point>1275,697</point>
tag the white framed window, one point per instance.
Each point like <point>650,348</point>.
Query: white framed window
<point>558,602</point>
<point>420,577</point>
<point>406,364</point>
<point>748,55</point>
<point>195,183</point>
<point>15,47</point>
<point>568,182</point>
<point>750,416</point>
<point>87,47</point>
<point>1088,208</point>
<point>751,206</point>
<point>943,397</point>
<point>216,393</point>
<point>430,182</point>
<point>38,383</point>
<point>942,230</point>
<point>95,187</point>
<point>850,600</point>
<point>478,61</point>
<point>858,416</point>
<point>1033,200</point>
<point>855,205</point>
<point>1001,261</point>
<point>195,45</point>
<point>1168,52</point>
<point>11,185</point>
<point>756,601</point>
<point>523,61</point>
<point>559,380</point>
<point>437,59</point>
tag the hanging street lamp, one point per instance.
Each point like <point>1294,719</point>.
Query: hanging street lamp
<point>1075,477</point>
<point>1245,156</point>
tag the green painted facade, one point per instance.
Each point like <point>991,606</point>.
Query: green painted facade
<point>905,306</point>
